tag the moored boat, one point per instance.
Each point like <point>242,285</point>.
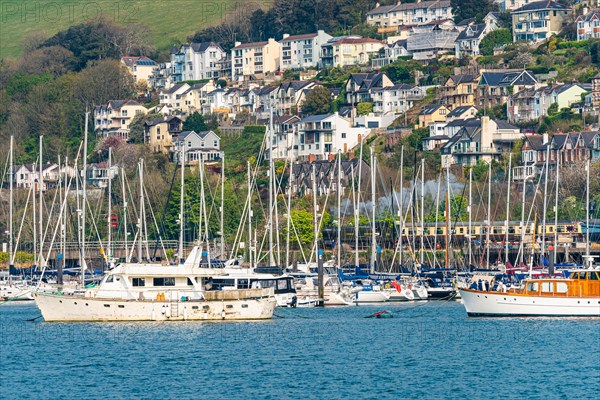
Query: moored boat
<point>578,296</point>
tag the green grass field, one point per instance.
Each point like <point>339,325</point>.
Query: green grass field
<point>168,20</point>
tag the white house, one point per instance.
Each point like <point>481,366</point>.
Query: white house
<point>395,99</point>
<point>390,18</point>
<point>251,59</point>
<point>588,25</point>
<point>323,136</point>
<point>196,146</point>
<point>114,117</point>
<point>302,51</point>
<point>196,61</point>
<point>468,41</point>
<point>173,97</point>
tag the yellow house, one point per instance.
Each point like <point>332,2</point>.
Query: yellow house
<point>142,68</point>
<point>249,59</point>
<point>194,98</point>
<point>350,51</point>
<point>459,90</point>
<point>432,113</point>
<point>160,131</point>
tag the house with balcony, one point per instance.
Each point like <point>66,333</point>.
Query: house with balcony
<point>196,61</point>
<point>537,21</point>
<point>390,18</point>
<point>467,42</point>
<point>196,98</point>
<point>160,131</point>
<point>321,137</point>
<point>441,132</point>
<point>482,140</point>
<point>196,146</point>
<point>588,25</point>
<point>285,136</point>
<point>495,86</point>
<point>391,52</point>
<point>114,117</point>
<point>396,99</point>
<point>302,51</point>
<point>290,96</point>
<point>359,86</point>
<point>173,97</point>
<point>349,50</point>
<point>27,176</point>
<point>252,60</point>
<point>142,68</point>
<point>458,91</point>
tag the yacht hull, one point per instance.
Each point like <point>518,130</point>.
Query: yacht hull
<point>372,296</point>
<point>494,304</point>
<point>55,308</point>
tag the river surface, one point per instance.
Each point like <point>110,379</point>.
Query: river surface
<point>427,351</point>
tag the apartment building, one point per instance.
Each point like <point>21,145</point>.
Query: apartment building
<point>114,117</point>
<point>196,61</point>
<point>251,59</point>
<point>537,21</point>
<point>302,51</point>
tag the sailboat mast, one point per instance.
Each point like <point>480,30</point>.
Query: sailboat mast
<point>448,216</point>
<point>109,246</point>
<point>470,236</point>
<point>125,232</point>
<point>10,204</point>
<point>203,210</point>
<point>373,200</point>
<point>84,197</point>
<point>507,209</point>
<point>339,211</point>
<point>40,204</point>
<point>401,205</point>
<point>588,260</point>
<point>556,209</point>
<point>522,224</point>
<point>250,259</point>
<point>141,209</point>
<point>271,177</point>
<point>543,246</point>
<point>289,216</point>
<point>222,225</point>
<point>357,205</point>
<point>489,215</point>
<point>422,211</point>
<point>181,204</point>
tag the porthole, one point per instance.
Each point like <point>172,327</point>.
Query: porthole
<point>229,306</point>
<point>60,301</point>
<point>121,306</point>
<point>505,298</point>
<point>75,302</point>
<point>205,307</point>
<point>244,305</point>
<point>107,305</point>
<point>86,304</point>
<point>194,307</point>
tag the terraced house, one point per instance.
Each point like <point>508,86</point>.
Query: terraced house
<point>537,21</point>
<point>347,51</point>
<point>459,90</point>
<point>249,60</point>
<point>302,51</point>
<point>588,25</point>
<point>390,18</point>
<point>196,61</point>
<point>496,85</point>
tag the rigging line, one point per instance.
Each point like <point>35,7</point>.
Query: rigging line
<point>158,233</point>
<point>164,211</point>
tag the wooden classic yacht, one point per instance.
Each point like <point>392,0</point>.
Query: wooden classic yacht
<point>147,292</point>
<point>578,296</point>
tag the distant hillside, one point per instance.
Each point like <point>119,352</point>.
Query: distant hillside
<point>169,21</point>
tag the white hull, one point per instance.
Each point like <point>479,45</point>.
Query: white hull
<point>372,296</point>
<point>404,295</point>
<point>12,292</point>
<point>71,308</point>
<point>479,303</point>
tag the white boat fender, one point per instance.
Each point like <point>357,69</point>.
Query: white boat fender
<point>185,314</point>
<point>163,309</point>
<point>153,316</point>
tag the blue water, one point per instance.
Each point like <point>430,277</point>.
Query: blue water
<point>427,351</point>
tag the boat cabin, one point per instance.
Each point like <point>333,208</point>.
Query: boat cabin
<point>580,284</point>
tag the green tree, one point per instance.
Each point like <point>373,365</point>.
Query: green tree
<point>195,122</point>
<point>318,101</point>
<point>478,9</point>
<point>495,38</point>
<point>364,108</point>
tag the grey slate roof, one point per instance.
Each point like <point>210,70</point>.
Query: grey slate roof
<point>540,5</point>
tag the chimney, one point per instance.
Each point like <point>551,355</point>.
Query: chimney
<point>545,138</point>
<point>585,10</point>
<point>286,35</point>
<point>377,5</point>
<point>237,44</point>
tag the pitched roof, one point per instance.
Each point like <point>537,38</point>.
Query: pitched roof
<point>130,61</point>
<point>356,41</point>
<point>316,118</point>
<point>299,37</point>
<point>253,44</point>
<point>472,32</point>
<point>458,111</point>
<point>507,78</point>
<point>430,109</point>
<point>174,88</point>
<point>409,6</point>
<point>540,5</point>
<point>203,46</point>
<point>458,79</point>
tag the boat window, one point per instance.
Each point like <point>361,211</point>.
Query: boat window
<point>243,284</point>
<point>138,281</point>
<point>218,284</point>
<point>189,282</point>
<point>109,279</point>
<point>575,275</point>
<point>164,281</point>
<point>547,287</point>
<point>593,276</point>
<point>532,286</point>
<point>263,283</point>
<point>562,287</point>
<point>282,284</point>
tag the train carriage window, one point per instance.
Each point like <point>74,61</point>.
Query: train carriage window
<point>511,230</point>
<point>440,231</point>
